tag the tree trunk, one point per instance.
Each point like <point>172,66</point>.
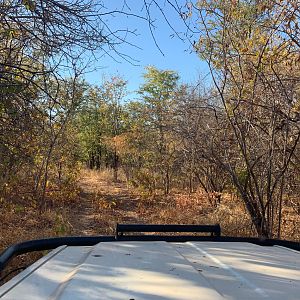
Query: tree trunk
<point>115,165</point>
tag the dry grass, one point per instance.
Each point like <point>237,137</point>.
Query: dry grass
<point>20,223</point>
<point>21,220</point>
<point>174,209</point>
<point>114,204</point>
<point>103,203</point>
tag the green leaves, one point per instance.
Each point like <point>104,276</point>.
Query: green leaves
<point>158,96</point>
<point>29,5</point>
<point>159,85</point>
<point>102,121</point>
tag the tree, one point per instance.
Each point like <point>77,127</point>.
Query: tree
<point>50,128</point>
<point>252,54</point>
<point>199,127</point>
<point>113,92</point>
<point>101,122</point>
<point>158,93</point>
<point>43,52</point>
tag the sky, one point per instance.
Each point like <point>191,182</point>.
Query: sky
<point>163,51</point>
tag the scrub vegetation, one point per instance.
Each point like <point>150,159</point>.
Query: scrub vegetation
<point>77,158</point>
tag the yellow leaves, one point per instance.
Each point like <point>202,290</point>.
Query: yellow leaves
<point>105,204</point>
<point>263,6</point>
<point>296,107</point>
<point>11,33</point>
<point>229,109</point>
<point>244,50</point>
<point>117,143</point>
<point>263,39</point>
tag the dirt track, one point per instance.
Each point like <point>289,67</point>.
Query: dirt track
<point>102,203</point>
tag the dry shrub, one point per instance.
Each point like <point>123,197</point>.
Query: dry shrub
<point>290,229</point>
<point>60,196</point>
<point>21,223</point>
<point>100,204</point>
<point>105,175</point>
<point>177,208</point>
<point>112,203</point>
<point>91,178</point>
<point>234,220</point>
<point>199,199</point>
<point>197,208</point>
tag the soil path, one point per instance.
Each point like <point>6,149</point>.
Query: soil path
<point>97,190</point>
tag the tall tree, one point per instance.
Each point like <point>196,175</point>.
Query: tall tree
<point>101,122</point>
<point>252,53</point>
<point>43,45</point>
<point>114,91</point>
<point>158,93</point>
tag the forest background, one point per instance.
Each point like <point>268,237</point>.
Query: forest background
<point>225,152</point>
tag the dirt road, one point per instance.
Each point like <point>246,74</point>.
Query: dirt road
<point>103,203</point>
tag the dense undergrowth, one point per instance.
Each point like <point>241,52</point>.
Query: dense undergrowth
<point>104,203</point>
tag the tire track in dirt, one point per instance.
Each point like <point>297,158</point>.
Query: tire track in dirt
<point>95,189</point>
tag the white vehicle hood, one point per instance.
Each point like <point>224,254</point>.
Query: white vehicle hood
<point>160,270</point>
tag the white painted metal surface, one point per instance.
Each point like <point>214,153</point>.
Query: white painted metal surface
<point>160,270</point>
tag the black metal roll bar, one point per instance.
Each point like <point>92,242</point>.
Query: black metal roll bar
<point>48,244</point>
<point>215,230</point>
